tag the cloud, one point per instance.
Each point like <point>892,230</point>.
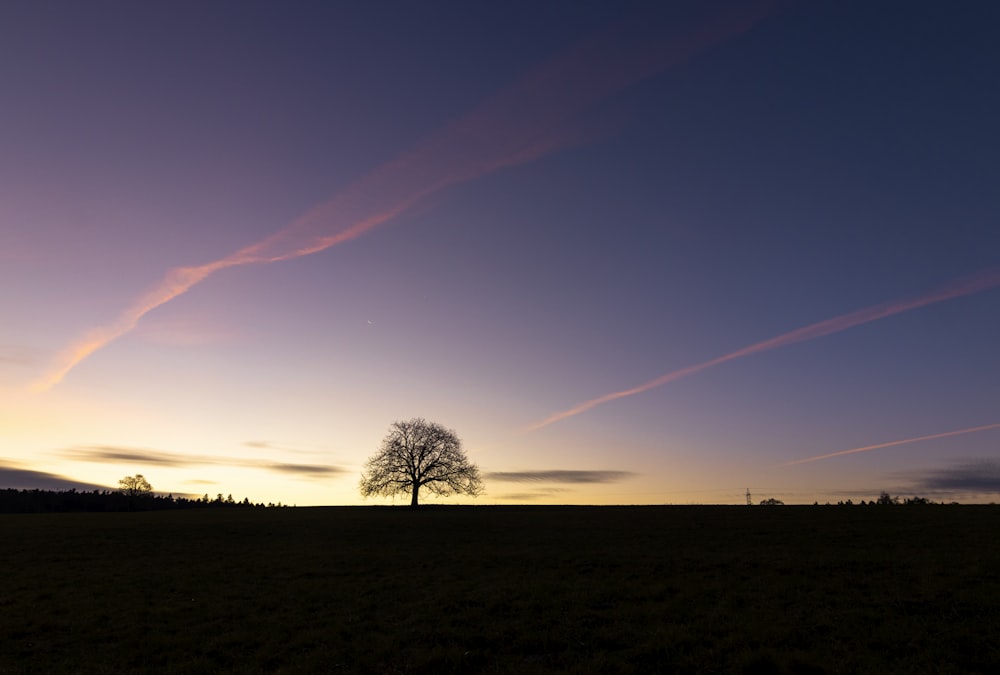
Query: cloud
<point>559,476</point>
<point>12,477</point>
<point>974,477</point>
<point>271,445</point>
<point>16,355</point>
<point>304,469</point>
<point>119,455</point>
<point>969,480</point>
<point>113,454</point>
<point>266,445</point>
<point>533,495</point>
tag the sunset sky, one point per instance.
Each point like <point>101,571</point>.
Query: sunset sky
<point>630,252</point>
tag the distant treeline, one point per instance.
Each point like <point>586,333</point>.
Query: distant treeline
<point>72,501</point>
<point>885,499</point>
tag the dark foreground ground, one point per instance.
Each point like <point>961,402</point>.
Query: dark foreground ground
<point>904,589</point>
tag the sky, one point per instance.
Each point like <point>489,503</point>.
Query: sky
<point>631,252</point>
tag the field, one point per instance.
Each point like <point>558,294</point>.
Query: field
<point>895,589</point>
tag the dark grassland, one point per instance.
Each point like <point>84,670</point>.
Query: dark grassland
<point>887,589</point>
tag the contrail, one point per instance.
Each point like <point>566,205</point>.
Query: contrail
<point>866,448</point>
<point>966,286</point>
<point>181,279</point>
<point>535,116</point>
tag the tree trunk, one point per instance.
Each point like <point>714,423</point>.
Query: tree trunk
<point>413,499</point>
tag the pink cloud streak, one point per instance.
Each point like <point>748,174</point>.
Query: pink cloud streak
<point>959,432</point>
<point>533,117</point>
<point>966,286</point>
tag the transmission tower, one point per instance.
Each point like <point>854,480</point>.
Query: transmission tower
<point>749,500</point>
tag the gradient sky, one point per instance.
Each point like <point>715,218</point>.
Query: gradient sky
<point>630,252</point>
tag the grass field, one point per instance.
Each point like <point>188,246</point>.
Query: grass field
<point>504,590</point>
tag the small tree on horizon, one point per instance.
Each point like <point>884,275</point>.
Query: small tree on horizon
<point>417,454</point>
<point>135,486</point>
<point>886,499</point>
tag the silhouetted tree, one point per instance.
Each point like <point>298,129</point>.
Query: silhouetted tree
<point>886,499</point>
<point>135,486</point>
<point>771,501</point>
<point>417,454</point>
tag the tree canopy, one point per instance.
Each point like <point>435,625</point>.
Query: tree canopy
<point>417,454</point>
<point>135,486</point>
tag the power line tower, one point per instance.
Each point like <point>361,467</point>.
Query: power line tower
<point>749,500</point>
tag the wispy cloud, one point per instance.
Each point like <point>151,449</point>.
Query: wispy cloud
<point>113,454</point>
<point>962,287</point>
<point>16,355</point>
<point>537,115</point>
<point>974,477</point>
<point>302,469</point>
<point>120,455</point>
<point>281,447</point>
<point>12,477</point>
<point>889,444</point>
<point>559,476</point>
<point>533,495</point>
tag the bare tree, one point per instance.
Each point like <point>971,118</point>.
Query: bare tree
<point>418,454</point>
<point>135,486</point>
